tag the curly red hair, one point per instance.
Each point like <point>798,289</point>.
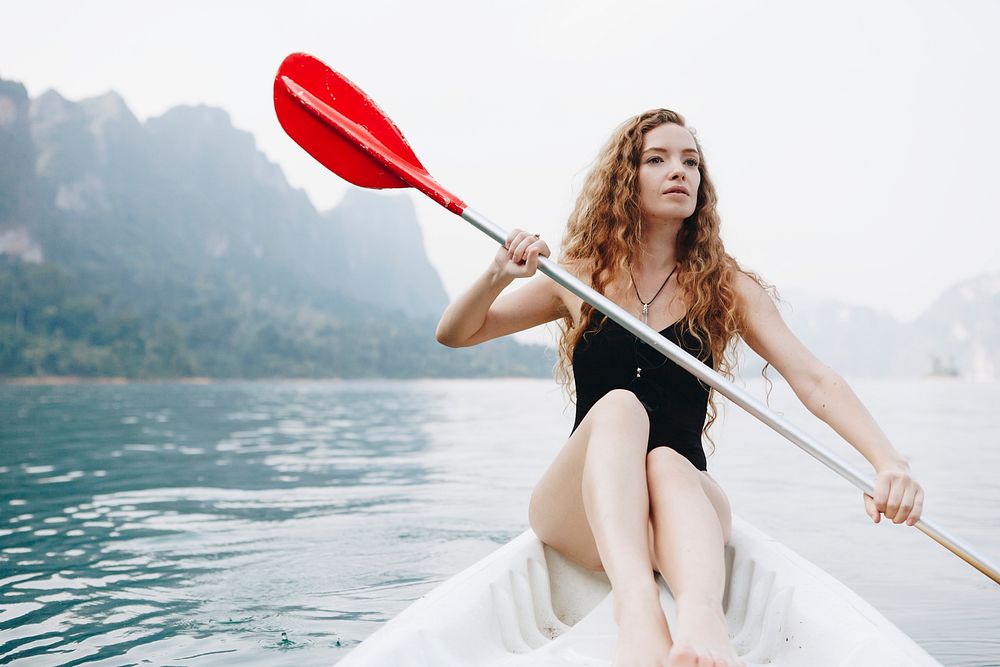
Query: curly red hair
<point>606,225</point>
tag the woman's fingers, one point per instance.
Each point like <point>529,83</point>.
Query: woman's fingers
<point>522,250</point>
<point>870,508</point>
<point>896,488</point>
<point>513,244</point>
<point>881,492</point>
<point>512,237</point>
<point>918,507</point>
<point>524,245</point>
<point>520,243</point>
<point>532,259</point>
<point>906,505</point>
<point>898,496</point>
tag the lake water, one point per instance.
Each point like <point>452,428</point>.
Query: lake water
<point>281,523</point>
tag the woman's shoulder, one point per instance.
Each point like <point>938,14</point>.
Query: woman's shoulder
<point>578,266</point>
<point>750,287</point>
<point>582,270</point>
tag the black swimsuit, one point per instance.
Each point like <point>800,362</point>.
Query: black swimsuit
<point>675,400</point>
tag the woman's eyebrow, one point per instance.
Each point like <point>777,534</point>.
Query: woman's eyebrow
<point>667,150</point>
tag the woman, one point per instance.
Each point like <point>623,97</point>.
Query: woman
<point>629,492</point>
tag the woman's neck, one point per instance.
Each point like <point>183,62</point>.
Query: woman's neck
<point>658,252</point>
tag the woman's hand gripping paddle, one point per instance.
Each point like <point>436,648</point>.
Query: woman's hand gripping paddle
<point>336,123</point>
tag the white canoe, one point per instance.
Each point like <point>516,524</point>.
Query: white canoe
<point>525,604</point>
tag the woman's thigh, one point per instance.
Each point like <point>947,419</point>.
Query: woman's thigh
<point>666,468</point>
<point>721,503</point>
<point>556,512</point>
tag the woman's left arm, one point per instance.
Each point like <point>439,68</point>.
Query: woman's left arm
<point>827,395</point>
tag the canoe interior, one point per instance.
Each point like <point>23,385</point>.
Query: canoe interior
<point>525,604</point>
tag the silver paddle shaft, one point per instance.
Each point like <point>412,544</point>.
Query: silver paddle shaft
<point>737,395</point>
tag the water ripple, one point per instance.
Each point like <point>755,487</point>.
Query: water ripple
<point>281,523</point>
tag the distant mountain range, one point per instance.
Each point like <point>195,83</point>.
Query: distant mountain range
<point>957,336</point>
<point>175,248</point>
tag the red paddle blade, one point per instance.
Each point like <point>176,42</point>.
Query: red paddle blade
<point>331,148</point>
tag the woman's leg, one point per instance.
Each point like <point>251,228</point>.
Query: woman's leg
<point>616,502</point>
<point>689,540</point>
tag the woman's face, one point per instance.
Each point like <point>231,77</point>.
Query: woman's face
<point>668,163</point>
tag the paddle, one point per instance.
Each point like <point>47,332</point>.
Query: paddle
<point>336,123</point>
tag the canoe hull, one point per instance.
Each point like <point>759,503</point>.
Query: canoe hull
<point>525,604</point>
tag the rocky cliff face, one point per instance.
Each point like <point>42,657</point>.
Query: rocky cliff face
<point>174,247</point>
<point>86,181</point>
<point>384,254</point>
<point>182,217</point>
<point>23,205</point>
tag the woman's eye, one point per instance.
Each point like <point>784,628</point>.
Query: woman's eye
<point>691,162</point>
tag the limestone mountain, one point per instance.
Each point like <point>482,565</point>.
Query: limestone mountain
<point>175,247</point>
<point>957,335</point>
<point>960,331</point>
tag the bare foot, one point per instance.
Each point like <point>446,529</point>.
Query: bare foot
<point>700,637</point>
<point>643,637</point>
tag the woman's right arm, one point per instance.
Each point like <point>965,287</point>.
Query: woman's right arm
<point>474,317</point>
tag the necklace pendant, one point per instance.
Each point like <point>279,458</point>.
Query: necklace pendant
<point>638,371</point>
<point>645,312</point>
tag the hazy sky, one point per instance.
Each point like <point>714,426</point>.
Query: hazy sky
<point>853,144</point>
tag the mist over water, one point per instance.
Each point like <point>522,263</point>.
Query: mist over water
<point>280,523</point>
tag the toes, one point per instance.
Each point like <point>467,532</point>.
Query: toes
<point>684,656</point>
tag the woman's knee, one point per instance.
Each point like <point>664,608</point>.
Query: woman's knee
<point>666,467</point>
<point>620,407</point>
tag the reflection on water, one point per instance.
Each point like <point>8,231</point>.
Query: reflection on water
<point>174,522</point>
<point>282,523</point>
